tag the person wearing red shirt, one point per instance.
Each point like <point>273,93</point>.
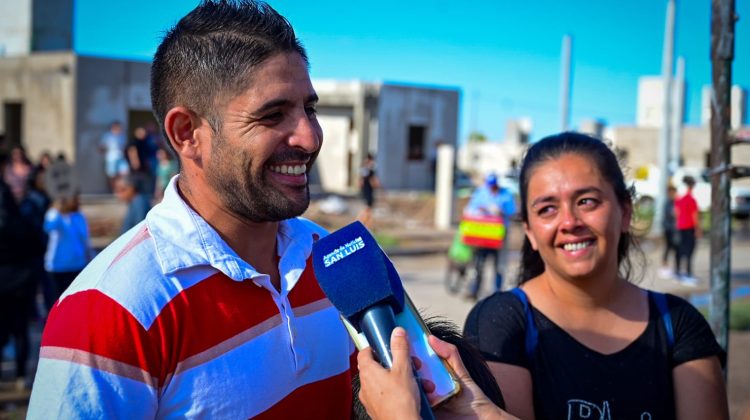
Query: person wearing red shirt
<point>689,229</point>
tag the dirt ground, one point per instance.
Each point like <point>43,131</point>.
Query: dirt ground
<point>738,368</point>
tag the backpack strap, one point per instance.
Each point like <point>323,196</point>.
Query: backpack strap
<point>660,299</point>
<point>531,331</point>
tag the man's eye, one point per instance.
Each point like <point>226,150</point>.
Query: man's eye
<point>275,116</point>
<point>311,111</point>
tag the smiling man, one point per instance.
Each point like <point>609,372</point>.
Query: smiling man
<point>209,308</point>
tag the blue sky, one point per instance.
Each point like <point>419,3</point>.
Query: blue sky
<point>503,55</point>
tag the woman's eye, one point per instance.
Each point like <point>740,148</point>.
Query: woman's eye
<point>545,210</point>
<point>311,111</point>
<point>588,201</point>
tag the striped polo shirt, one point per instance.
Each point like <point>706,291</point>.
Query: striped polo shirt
<point>168,322</point>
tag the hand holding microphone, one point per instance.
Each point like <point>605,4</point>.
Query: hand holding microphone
<point>389,394</point>
<point>361,282</point>
<point>397,385</point>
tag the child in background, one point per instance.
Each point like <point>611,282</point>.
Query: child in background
<point>68,246</point>
<point>165,170</point>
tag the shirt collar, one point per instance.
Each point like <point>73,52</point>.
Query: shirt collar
<point>183,239</point>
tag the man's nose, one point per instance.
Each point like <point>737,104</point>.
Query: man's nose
<point>307,134</point>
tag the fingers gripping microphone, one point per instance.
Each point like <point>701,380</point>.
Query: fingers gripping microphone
<point>363,285</point>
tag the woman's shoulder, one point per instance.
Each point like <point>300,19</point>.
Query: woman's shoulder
<point>680,306</point>
<point>503,301</point>
<point>680,310</point>
<point>496,326</point>
<point>692,334</point>
<point>498,309</point>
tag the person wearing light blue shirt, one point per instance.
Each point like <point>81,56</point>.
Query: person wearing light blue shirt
<point>68,246</point>
<point>491,199</point>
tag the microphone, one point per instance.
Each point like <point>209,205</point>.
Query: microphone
<point>361,282</point>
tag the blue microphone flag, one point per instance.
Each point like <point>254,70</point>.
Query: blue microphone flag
<point>355,273</point>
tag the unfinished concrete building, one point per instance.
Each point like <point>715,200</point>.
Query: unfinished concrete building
<point>53,99</point>
<point>400,124</point>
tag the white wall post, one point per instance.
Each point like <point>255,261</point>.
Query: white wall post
<point>444,186</point>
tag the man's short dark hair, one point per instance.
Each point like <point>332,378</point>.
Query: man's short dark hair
<point>208,55</point>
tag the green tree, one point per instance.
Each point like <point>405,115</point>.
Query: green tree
<point>477,136</point>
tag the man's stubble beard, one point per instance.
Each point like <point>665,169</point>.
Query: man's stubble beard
<point>229,174</point>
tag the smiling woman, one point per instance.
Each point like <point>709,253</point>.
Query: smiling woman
<point>577,337</point>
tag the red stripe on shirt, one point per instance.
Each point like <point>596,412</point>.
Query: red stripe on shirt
<point>323,399</point>
<point>92,322</point>
<point>197,319</point>
<point>307,289</point>
<point>209,313</point>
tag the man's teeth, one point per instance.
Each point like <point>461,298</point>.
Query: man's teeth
<point>576,246</point>
<point>289,169</point>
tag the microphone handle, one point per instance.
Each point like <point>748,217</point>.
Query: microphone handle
<point>377,324</point>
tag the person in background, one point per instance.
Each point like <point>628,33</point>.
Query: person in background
<point>577,336</point>
<point>18,261</point>
<point>210,307</point>
<point>688,229</point>
<point>129,190</point>
<point>68,249</point>
<point>368,183</point>
<point>33,206</point>
<point>17,172</point>
<point>137,152</point>
<point>112,145</point>
<point>491,199</point>
<point>155,142</point>
<point>669,229</point>
<point>40,169</point>
<point>166,168</point>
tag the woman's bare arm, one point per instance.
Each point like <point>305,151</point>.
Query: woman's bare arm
<point>699,390</point>
<point>515,384</point>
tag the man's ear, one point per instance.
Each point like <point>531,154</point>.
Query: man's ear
<point>185,131</point>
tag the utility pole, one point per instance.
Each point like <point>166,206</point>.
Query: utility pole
<point>666,122</point>
<point>722,54</point>
<point>678,108</point>
<point>565,83</point>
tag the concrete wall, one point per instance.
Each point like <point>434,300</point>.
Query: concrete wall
<point>15,27</point>
<point>400,107</point>
<point>348,113</point>
<point>52,25</point>
<point>45,86</point>
<point>340,115</point>
<point>737,102</point>
<point>642,146</point>
<point>35,25</point>
<point>339,141</point>
<point>650,102</point>
<point>640,143</point>
<point>482,158</point>
<point>107,90</point>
